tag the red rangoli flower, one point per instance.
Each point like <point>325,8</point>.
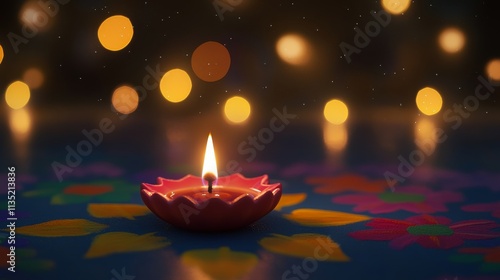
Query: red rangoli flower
<point>345,183</point>
<point>428,231</point>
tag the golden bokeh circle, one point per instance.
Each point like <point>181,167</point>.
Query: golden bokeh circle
<point>175,85</point>
<point>452,40</point>
<point>336,111</point>
<point>1,54</point>
<point>293,49</point>
<point>396,7</point>
<point>237,109</point>
<point>429,101</point>
<point>493,69</point>
<point>115,32</point>
<point>17,95</point>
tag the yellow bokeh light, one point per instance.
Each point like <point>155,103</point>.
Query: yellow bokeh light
<point>493,69</point>
<point>429,101</point>
<point>33,77</point>
<point>452,40</point>
<point>211,61</point>
<point>125,99</point>
<point>1,54</point>
<point>293,49</point>
<point>237,109</point>
<point>336,111</point>
<point>219,263</point>
<point>335,136</point>
<point>20,123</point>
<point>396,7</point>
<point>175,85</point>
<point>17,95</point>
<point>115,33</point>
<point>425,135</point>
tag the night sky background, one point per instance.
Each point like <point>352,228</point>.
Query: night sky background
<point>403,58</point>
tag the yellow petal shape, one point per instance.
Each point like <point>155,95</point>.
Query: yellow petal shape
<point>323,218</point>
<point>121,242</point>
<point>65,227</point>
<point>117,210</point>
<point>220,264</point>
<point>305,245</point>
<point>290,199</point>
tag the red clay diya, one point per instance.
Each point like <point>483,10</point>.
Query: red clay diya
<point>211,203</point>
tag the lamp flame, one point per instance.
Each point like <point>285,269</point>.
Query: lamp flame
<point>210,164</point>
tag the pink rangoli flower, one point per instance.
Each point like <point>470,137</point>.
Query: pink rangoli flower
<point>414,199</point>
<point>428,231</point>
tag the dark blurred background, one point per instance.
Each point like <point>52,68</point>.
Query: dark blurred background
<point>378,85</point>
<point>403,58</point>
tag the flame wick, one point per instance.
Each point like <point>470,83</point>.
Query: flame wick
<point>210,178</point>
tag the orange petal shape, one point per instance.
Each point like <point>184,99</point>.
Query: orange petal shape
<point>305,245</point>
<point>221,263</point>
<point>290,199</point>
<point>323,218</point>
<point>117,210</point>
<point>121,242</point>
<point>58,228</point>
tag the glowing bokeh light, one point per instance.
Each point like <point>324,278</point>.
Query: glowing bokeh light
<point>29,15</point>
<point>396,7</point>
<point>115,32</point>
<point>452,40</point>
<point>175,85</point>
<point>33,77</point>
<point>20,123</point>
<point>425,135</point>
<point>33,16</point>
<point>17,95</point>
<point>237,109</point>
<point>429,101</point>
<point>335,136</point>
<point>336,111</point>
<point>211,61</point>
<point>493,69</point>
<point>293,49</point>
<point>1,54</point>
<point>125,100</point>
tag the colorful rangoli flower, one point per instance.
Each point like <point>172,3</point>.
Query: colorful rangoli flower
<point>428,231</point>
<point>110,191</point>
<point>416,199</point>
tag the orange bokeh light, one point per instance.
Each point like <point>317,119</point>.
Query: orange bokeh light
<point>33,77</point>
<point>211,61</point>
<point>493,69</point>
